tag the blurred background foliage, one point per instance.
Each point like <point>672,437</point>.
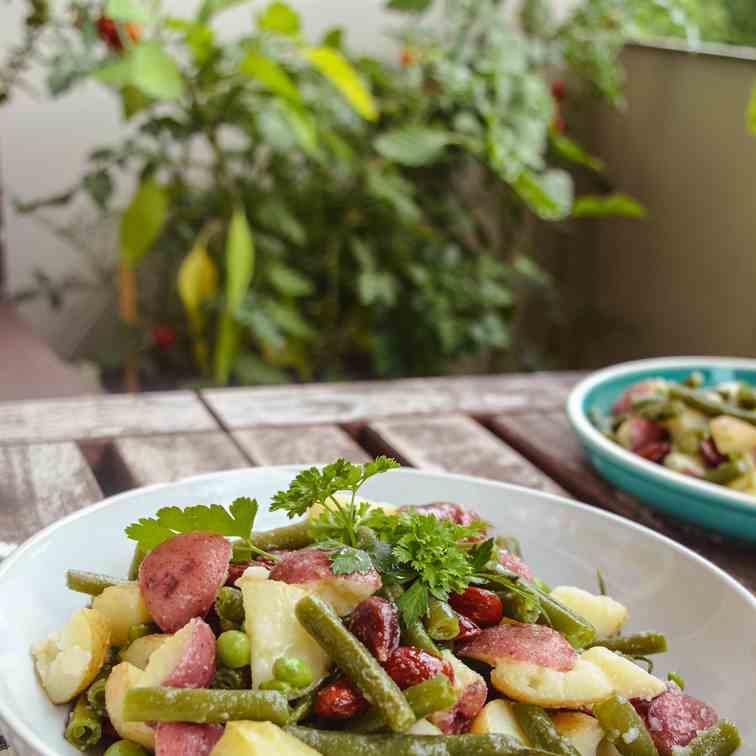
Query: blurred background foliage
<point>303,212</point>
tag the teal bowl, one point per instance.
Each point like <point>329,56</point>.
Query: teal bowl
<point>715,507</point>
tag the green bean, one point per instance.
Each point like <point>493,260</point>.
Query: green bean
<point>303,708</point>
<point>424,698</point>
<point>139,631</point>
<point>413,634</point>
<point>540,730</point>
<point>329,743</point>
<point>525,609</point>
<point>204,705</point>
<point>510,544</point>
<point>624,727</point>
<point>746,396</point>
<point>229,605</point>
<point>727,472</point>
<point>96,696</point>
<point>231,679</point>
<point>673,677</point>
<point>84,728</point>
<point>442,623</point>
<point>90,582</point>
<point>294,536</point>
<point>355,661</point>
<point>136,561</point>
<point>701,401</point>
<point>720,740</point>
<point>640,644</point>
<point>576,630</point>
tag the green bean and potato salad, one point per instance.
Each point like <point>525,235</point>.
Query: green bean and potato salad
<point>360,629</point>
<point>709,433</point>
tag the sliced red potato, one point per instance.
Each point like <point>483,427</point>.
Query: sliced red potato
<point>604,613</point>
<point>311,569</point>
<point>597,674</point>
<point>69,660</point>
<point>583,731</point>
<point>185,739</point>
<point>179,578</point>
<point>498,717</point>
<point>123,606</point>
<point>638,390</point>
<point>259,739</point>
<point>274,630</point>
<point>138,653</point>
<point>471,690</point>
<point>637,432</point>
<point>732,435</point>
<point>536,644</point>
<point>122,678</point>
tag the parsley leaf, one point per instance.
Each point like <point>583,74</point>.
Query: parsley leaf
<point>413,603</point>
<point>341,517</point>
<point>238,520</point>
<point>346,560</point>
<point>481,554</point>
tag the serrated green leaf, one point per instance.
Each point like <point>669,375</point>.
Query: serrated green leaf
<point>414,602</point>
<point>414,145</point>
<point>601,206</point>
<point>340,72</point>
<point>346,560</point>
<point>270,74</point>
<point>142,221</point>
<point>279,18</point>
<point>549,195</point>
<point>127,10</point>
<point>155,72</point>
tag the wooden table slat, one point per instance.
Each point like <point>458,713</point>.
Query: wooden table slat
<point>456,443</point>
<point>548,440</point>
<point>39,484</point>
<point>327,403</point>
<point>306,445</point>
<point>103,417</point>
<point>167,458</point>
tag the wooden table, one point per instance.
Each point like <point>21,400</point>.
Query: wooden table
<point>57,456</point>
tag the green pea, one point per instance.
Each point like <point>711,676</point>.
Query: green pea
<point>278,685</point>
<point>125,748</point>
<point>293,671</point>
<point>233,649</point>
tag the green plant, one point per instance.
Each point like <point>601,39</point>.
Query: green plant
<point>304,212</point>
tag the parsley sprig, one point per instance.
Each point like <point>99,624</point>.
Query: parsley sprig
<point>342,516</point>
<point>237,520</point>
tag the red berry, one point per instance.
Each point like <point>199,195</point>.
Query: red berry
<point>340,700</point>
<point>483,607</point>
<point>164,336</point>
<point>375,622</point>
<point>408,666</point>
<point>558,89</point>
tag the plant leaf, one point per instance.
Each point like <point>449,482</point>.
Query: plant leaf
<point>142,221</point>
<point>340,72</point>
<point>409,6</point>
<point>99,186</point>
<point>155,72</point>
<point>413,145</point>
<point>570,150</point>
<point>270,74</point>
<point>288,281</point>
<point>549,195</point>
<point>752,111</point>
<point>280,19</point>
<point>240,263</point>
<point>209,8</point>
<point>601,206</point>
<point>127,10</point>
<point>197,283</point>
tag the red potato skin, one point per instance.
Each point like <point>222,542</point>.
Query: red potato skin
<point>409,666</point>
<point>457,719</point>
<point>536,644</point>
<point>655,451</point>
<point>375,622</point>
<point>309,565</point>
<point>197,667</point>
<point>515,564</point>
<point>674,719</point>
<point>447,510</point>
<point>624,404</point>
<point>179,578</point>
<point>644,432</point>
<point>184,739</point>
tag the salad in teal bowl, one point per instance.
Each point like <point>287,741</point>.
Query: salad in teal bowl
<point>679,433</point>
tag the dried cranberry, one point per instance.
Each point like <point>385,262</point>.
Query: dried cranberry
<point>408,666</point>
<point>481,606</point>
<point>375,622</point>
<point>340,700</point>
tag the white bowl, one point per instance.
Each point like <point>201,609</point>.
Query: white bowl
<point>709,619</point>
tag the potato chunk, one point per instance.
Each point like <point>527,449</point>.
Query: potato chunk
<point>583,731</point>
<point>259,739</point>
<point>123,606</point>
<point>603,612</point>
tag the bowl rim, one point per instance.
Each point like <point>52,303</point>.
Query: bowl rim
<point>29,737</point>
<point>589,434</point>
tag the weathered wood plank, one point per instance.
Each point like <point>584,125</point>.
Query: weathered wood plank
<point>358,402</point>
<point>548,441</point>
<point>41,483</point>
<point>103,417</point>
<point>311,444</point>
<point>166,458</point>
<point>456,443</point>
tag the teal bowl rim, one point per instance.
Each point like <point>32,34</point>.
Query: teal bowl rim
<point>593,438</point>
